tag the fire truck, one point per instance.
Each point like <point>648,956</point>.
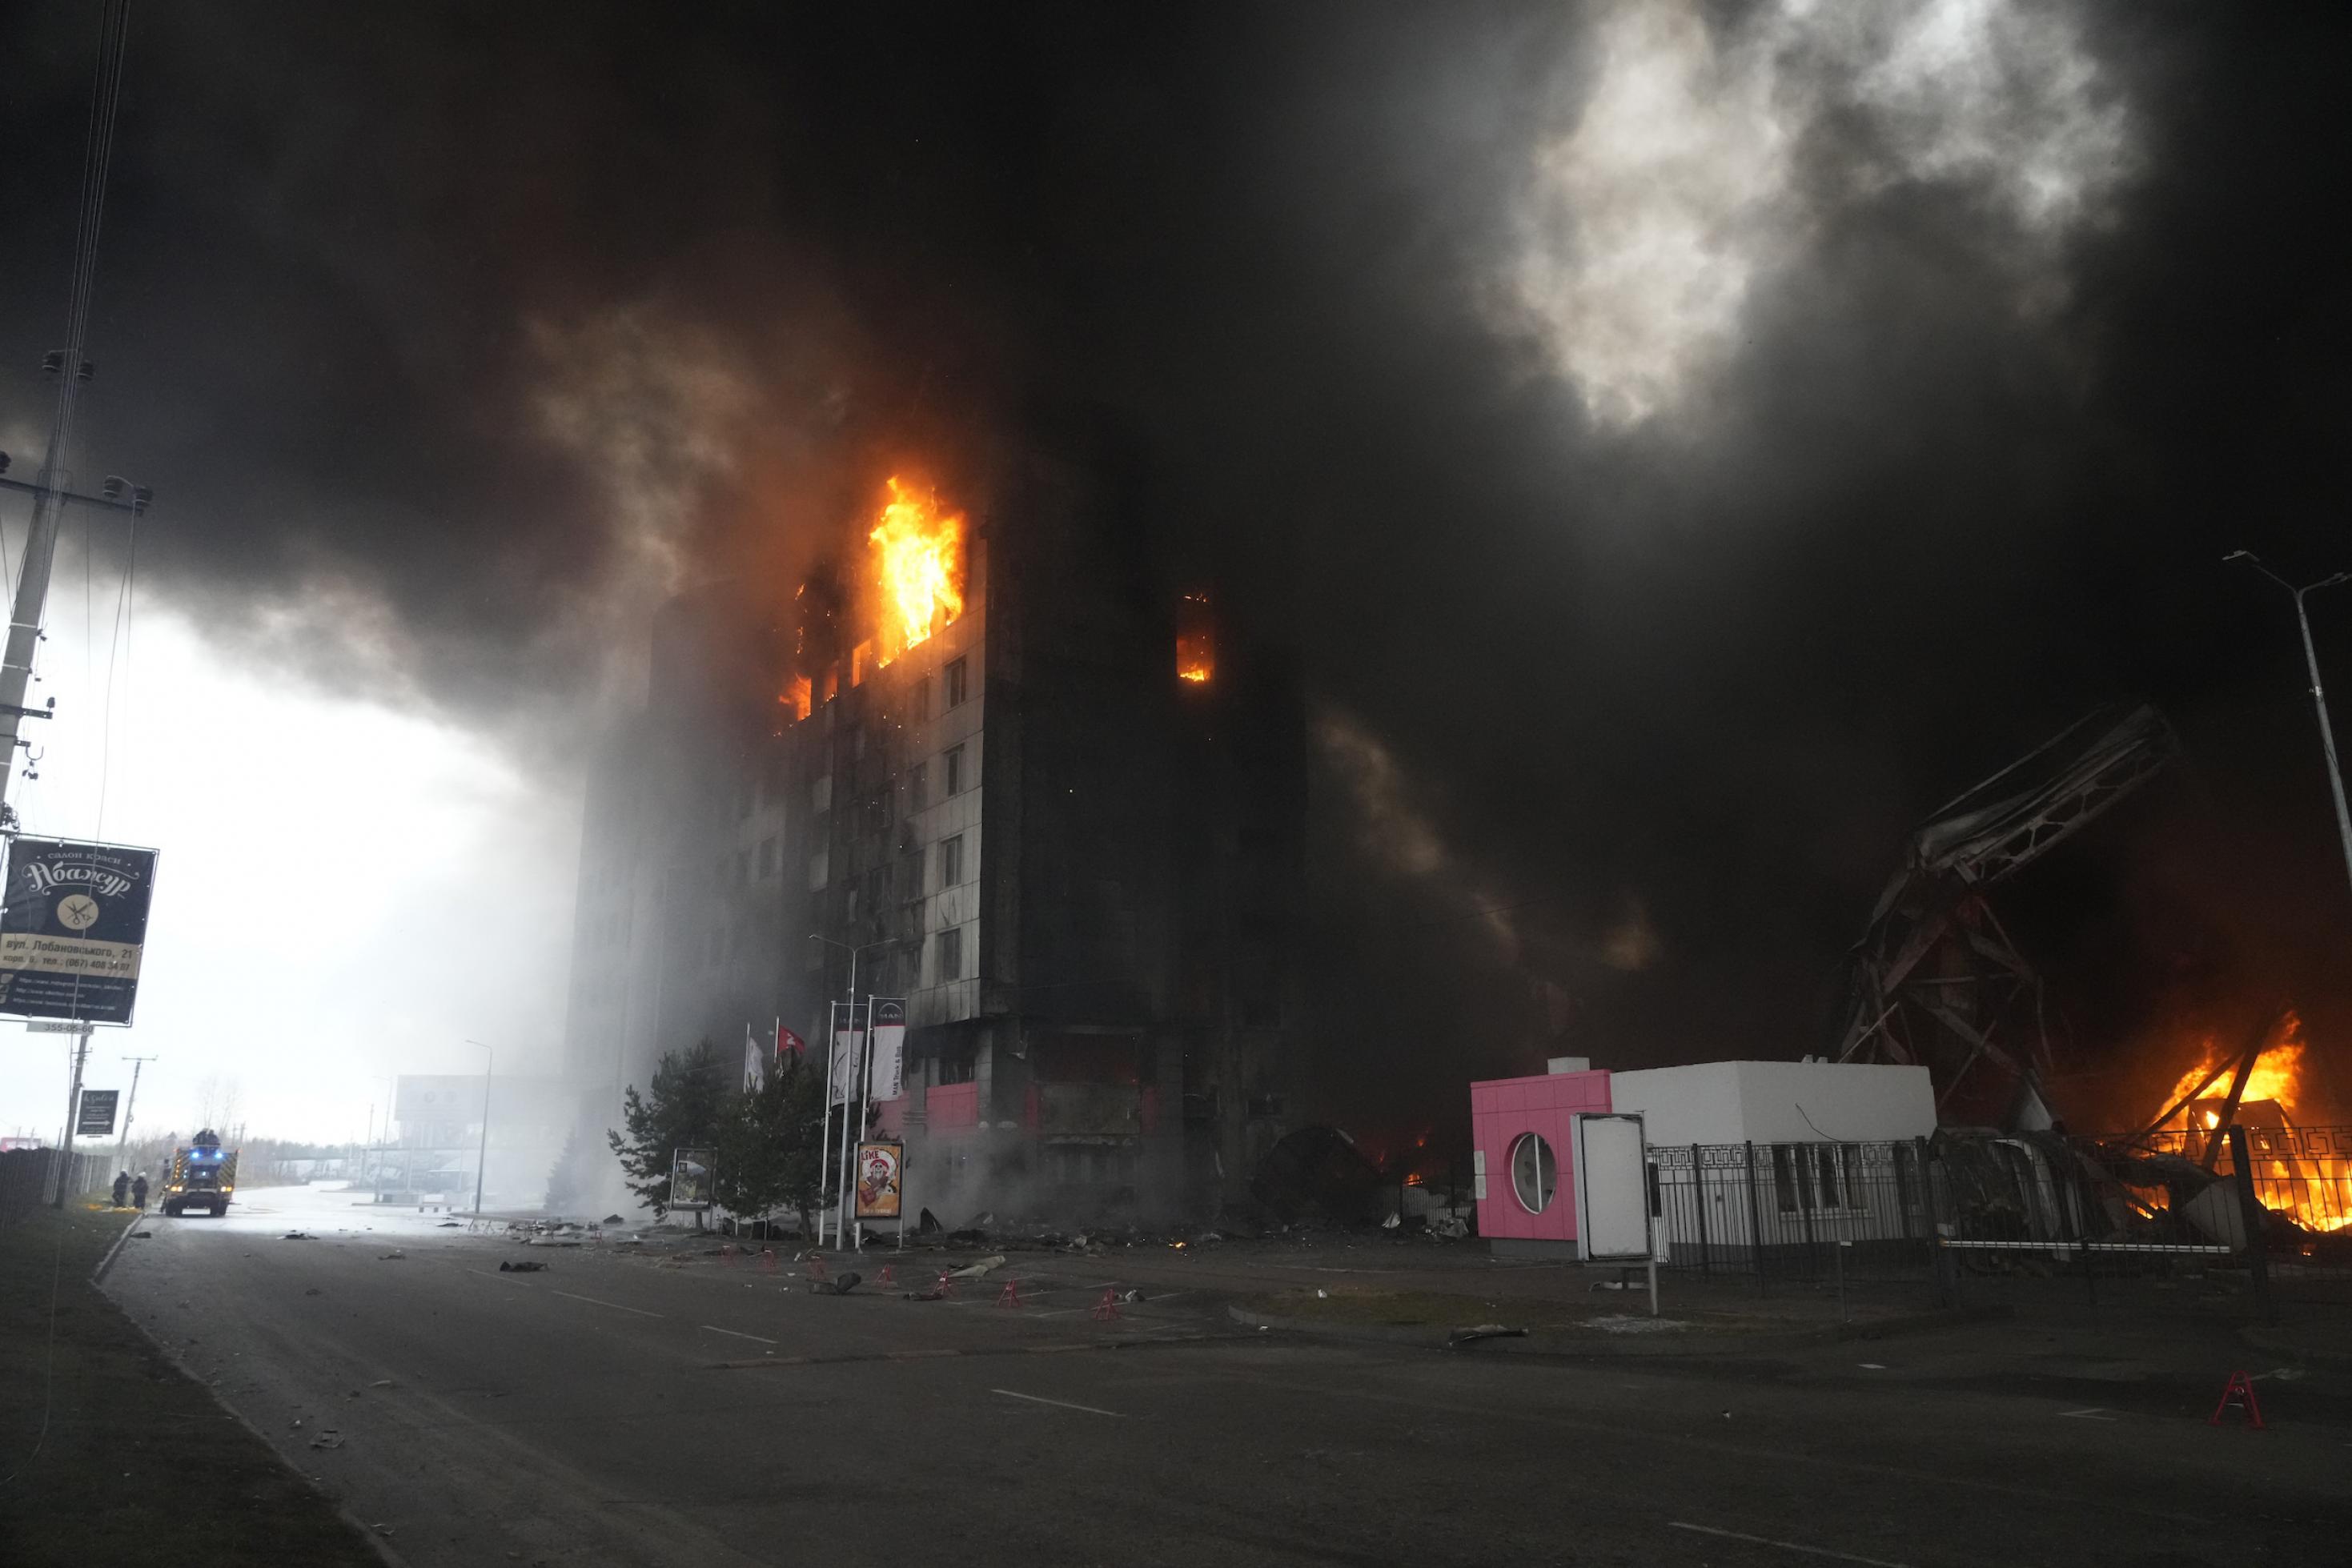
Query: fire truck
<point>202,1176</point>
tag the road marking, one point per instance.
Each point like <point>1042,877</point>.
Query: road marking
<point>615,1305</point>
<point>714,1328</point>
<point>1060,1403</point>
<point>2095,1413</point>
<point>1783,1545</point>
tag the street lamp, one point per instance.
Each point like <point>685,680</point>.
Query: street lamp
<point>2318,692</point>
<point>482,1158</point>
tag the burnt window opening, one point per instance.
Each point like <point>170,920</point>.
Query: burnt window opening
<point>949,946</point>
<point>953,677</point>
<point>921,697</point>
<point>1196,639</point>
<point>951,861</point>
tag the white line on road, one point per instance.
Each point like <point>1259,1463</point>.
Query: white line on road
<point>714,1328</point>
<point>1062,1403</point>
<point>2095,1413</point>
<point>615,1305</point>
<point>1783,1545</point>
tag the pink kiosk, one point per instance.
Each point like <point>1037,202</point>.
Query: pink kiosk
<point>1521,1138</point>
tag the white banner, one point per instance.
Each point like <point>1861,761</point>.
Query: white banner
<point>755,1063</point>
<point>887,1077</point>
<point>848,1049</point>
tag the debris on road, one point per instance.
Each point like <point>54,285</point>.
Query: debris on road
<point>840,1287</point>
<point>449,1225</point>
<point>510,1267</point>
<point>330,1439</point>
<point>977,1267</point>
<point>314,1290</point>
<point>141,1235</point>
<point>612,1220</point>
<point>927,1223</point>
<point>1483,1330</point>
<point>298,1236</point>
<point>381,1383</point>
<point>388,1257</point>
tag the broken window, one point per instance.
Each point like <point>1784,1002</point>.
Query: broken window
<point>951,861</point>
<point>949,945</point>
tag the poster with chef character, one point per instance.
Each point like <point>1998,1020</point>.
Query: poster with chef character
<point>881,1169</point>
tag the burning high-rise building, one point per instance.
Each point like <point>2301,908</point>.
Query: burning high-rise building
<point>1017,776</point>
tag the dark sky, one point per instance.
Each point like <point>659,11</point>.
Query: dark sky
<point>431,321</point>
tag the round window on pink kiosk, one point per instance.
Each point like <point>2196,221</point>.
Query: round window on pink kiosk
<point>1533,1173</point>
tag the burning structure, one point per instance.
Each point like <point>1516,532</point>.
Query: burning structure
<point>998,764</point>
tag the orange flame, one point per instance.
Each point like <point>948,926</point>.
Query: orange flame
<point>2318,1198</point>
<point>919,560</point>
<point>1196,639</point>
<point>2277,1075</point>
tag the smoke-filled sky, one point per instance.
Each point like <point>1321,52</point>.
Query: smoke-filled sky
<point>1686,441</point>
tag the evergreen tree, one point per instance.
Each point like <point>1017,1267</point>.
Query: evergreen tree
<point>683,1108</point>
<point>768,1144</point>
<point>567,1183</point>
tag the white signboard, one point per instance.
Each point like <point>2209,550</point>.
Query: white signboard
<point>1612,1189</point>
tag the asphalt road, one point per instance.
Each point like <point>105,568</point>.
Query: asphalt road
<point>611,1411</point>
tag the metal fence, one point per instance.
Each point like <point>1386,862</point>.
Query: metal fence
<point>1796,1211</point>
<point>28,1179</point>
<point>2025,1206</point>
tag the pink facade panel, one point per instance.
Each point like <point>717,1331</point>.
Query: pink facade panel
<point>1504,1110</point>
<point>952,1108</point>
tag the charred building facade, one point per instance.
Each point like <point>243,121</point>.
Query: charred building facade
<point>1027,782</point>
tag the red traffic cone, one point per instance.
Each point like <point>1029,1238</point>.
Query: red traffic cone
<point>1107,1308</point>
<point>1010,1295</point>
<point>2241,1388</point>
<point>944,1285</point>
<point>816,1266</point>
<point>726,1250</point>
<point>767,1260</point>
<point>887,1276</point>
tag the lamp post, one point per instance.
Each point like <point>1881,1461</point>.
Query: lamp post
<point>2318,691</point>
<point>841,1196</point>
<point>482,1158</point>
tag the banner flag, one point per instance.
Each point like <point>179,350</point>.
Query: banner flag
<point>73,929</point>
<point>888,1080</point>
<point>755,1067</point>
<point>848,1050</point>
<point>790,1044</point>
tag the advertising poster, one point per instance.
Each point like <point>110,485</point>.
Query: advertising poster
<point>97,1110</point>
<point>73,929</point>
<point>881,1175</point>
<point>890,1068</point>
<point>689,1180</point>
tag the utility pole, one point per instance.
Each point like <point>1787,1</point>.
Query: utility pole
<point>71,369</point>
<point>73,1113</point>
<point>122,1150</point>
<point>2318,691</point>
<point>482,1159</point>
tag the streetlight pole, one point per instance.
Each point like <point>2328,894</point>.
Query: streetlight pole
<point>482,1158</point>
<point>2318,690</point>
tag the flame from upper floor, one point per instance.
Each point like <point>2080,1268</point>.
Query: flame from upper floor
<point>919,569</point>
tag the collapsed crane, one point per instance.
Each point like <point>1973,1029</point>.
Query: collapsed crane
<point>1935,981</point>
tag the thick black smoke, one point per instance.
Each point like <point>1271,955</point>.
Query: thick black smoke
<point>463,330</point>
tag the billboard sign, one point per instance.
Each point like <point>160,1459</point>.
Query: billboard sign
<point>887,1077</point>
<point>1613,1187</point>
<point>689,1178</point>
<point>881,1179</point>
<point>73,929</point>
<point>97,1110</point>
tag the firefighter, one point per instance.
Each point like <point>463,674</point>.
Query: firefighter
<point>139,1193</point>
<point>121,1188</point>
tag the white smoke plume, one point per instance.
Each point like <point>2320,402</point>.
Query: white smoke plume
<point>1701,157</point>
